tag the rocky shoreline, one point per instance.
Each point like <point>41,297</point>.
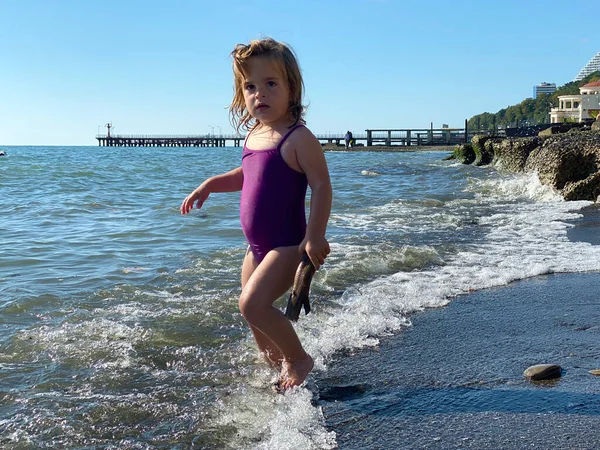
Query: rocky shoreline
<point>565,157</point>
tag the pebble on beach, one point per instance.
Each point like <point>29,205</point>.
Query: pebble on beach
<point>543,372</point>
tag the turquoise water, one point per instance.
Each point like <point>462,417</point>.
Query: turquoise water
<point>119,316</point>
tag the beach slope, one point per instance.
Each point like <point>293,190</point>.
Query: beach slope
<point>455,378</point>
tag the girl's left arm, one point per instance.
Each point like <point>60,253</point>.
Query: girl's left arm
<point>311,160</point>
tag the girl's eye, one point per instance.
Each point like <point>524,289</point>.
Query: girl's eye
<point>249,87</point>
<point>271,83</point>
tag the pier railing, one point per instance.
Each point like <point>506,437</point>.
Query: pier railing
<point>153,140</point>
<point>403,137</point>
<point>384,137</point>
<point>171,136</point>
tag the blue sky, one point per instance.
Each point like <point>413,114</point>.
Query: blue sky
<point>67,67</point>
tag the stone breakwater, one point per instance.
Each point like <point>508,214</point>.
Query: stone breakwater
<point>567,161</point>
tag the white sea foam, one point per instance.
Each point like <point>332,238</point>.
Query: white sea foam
<point>286,422</point>
<point>369,173</point>
<point>397,216</point>
<point>522,239</point>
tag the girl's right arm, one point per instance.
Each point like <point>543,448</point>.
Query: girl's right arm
<point>228,182</point>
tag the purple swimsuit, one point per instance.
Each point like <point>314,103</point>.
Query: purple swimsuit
<point>272,205</point>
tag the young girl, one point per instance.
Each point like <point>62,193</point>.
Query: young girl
<point>280,157</point>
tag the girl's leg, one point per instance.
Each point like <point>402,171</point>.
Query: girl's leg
<point>267,348</point>
<point>267,282</point>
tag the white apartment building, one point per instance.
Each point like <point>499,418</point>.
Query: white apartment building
<point>580,107</point>
<point>590,67</point>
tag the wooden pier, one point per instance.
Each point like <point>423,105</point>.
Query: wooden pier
<point>384,137</point>
<point>168,141</point>
<point>402,137</point>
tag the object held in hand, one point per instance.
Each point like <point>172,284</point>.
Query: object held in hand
<point>299,295</point>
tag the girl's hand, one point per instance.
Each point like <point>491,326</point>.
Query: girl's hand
<point>227,182</point>
<point>199,195</point>
<point>317,250</point>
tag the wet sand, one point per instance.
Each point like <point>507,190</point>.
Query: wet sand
<point>455,378</point>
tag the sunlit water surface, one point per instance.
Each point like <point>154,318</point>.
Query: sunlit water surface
<point>119,316</point>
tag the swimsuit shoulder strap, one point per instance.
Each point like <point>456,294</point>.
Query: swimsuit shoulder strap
<point>247,136</point>
<point>294,128</point>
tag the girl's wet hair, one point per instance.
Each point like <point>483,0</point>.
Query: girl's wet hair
<point>282,55</point>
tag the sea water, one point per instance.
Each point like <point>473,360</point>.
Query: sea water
<point>119,319</point>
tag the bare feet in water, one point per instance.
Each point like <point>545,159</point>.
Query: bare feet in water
<point>272,361</point>
<point>293,373</point>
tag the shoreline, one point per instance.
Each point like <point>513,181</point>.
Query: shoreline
<point>454,379</point>
<point>390,149</point>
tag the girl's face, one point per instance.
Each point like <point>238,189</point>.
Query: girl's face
<point>266,92</point>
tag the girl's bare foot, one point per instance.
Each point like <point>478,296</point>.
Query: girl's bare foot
<point>293,373</point>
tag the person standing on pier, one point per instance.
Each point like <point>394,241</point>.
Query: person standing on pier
<point>348,139</point>
<point>280,158</point>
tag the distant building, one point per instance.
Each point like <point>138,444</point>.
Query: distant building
<point>580,107</point>
<point>544,88</point>
<point>590,67</point>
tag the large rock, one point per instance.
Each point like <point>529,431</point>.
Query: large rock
<point>587,189</point>
<point>569,162</point>
<point>488,149</point>
<point>483,153</point>
<point>543,372</point>
<point>464,153</point>
<point>565,158</point>
<point>511,154</point>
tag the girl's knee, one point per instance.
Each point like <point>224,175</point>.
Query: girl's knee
<point>250,309</point>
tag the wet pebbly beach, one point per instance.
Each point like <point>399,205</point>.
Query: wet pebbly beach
<point>454,379</point>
